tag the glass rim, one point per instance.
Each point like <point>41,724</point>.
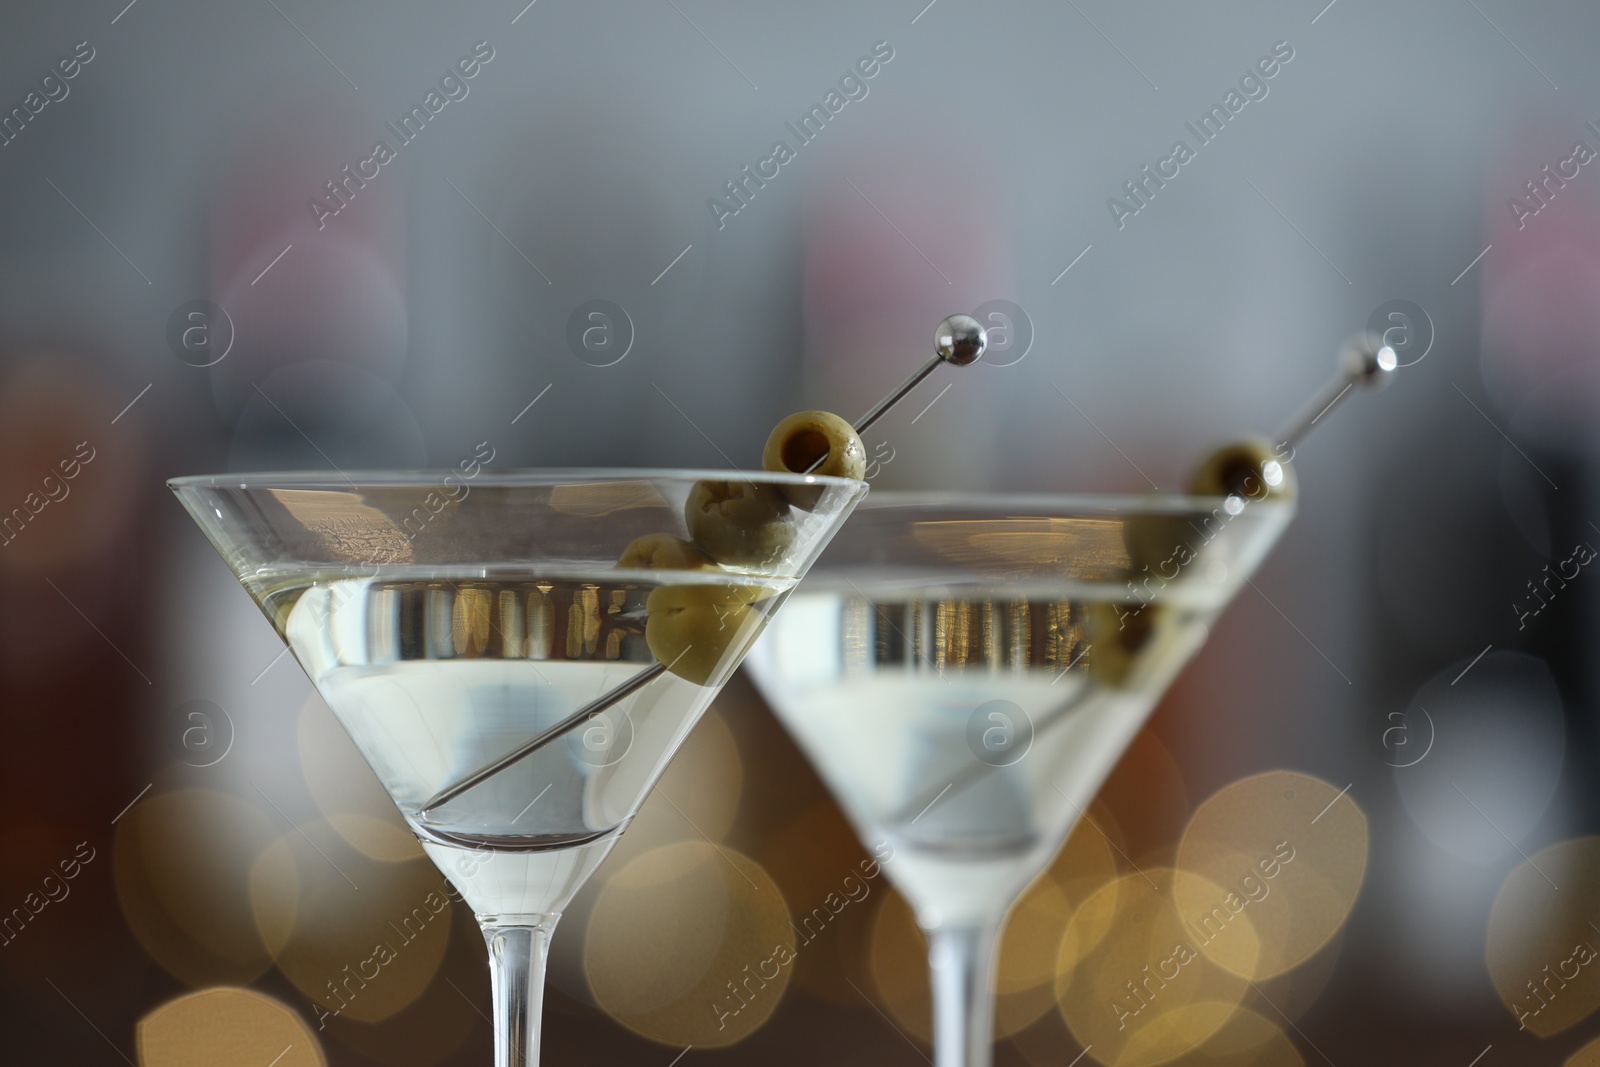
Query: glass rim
<point>1062,503</point>
<point>523,476</point>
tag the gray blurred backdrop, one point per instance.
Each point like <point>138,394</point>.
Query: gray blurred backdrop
<point>448,302</point>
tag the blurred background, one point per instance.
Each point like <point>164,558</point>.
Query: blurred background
<point>588,251</point>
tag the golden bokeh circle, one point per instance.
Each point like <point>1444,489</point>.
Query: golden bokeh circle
<point>1142,992</point>
<point>1025,977</point>
<point>1245,1040</point>
<point>1587,1056</point>
<point>1542,952</point>
<point>1086,866</point>
<point>362,938</point>
<point>225,1027</point>
<point>181,862</point>
<point>455,1006</point>
<point>1289,850</point>
<point>690,944</point>
<point>898,962</point>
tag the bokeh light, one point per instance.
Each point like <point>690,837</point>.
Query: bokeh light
<point>1542,944</point>
<point>182,864</point>
<point>1587,1056</point>
<point>690,944</point>
<point>226,1028</point>
<point>1134,985</point>
<point>1245,1040</point>
<point>1288,851</point>
<point>362,938</point>
<point>898,959</point>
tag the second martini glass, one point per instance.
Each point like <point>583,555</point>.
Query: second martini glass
<point>492,658</point>
<point>965,672</point>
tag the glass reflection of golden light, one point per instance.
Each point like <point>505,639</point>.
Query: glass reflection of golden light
<point>1543,953</point>
<point>690,944</point>
<point>1287,850</point>
<point>362,938</point>
<point>346,791</point>
<point>226,1028</point>
<point>1143,992</point>
<point>182,863</point>
<point>1082,547</point>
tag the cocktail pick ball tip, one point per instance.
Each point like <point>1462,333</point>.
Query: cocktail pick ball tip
<point>960,340</point>
<point>1366,361</point>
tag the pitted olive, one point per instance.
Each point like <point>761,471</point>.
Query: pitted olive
<point>1249,469</point>
<point>700,632</point>
<point>663,552</point>
<point>806,437</point>
<point>738,521</point>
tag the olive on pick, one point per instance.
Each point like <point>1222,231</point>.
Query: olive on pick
<point>803,439</point>
<point>663,552</point>
<point>738,521</point>
<point>1248,469</point>
<point>691,628</point>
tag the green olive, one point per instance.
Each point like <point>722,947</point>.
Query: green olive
<point>806,437</point>
<point>663,552</point>
<point>1249,469</point>
<point>1160,546</point>
<point>1120,635</point>
<point>739,521</point>
<point>700,632</point>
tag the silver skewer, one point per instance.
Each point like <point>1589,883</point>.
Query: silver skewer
<point>1364,362</point>
<point>959,340</point>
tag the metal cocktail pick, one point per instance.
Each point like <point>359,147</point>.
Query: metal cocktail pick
<point>1364,361</point>
<point>960,341</point>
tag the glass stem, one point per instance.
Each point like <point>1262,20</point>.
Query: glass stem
<point>516,966</point>
<point>962,962</point>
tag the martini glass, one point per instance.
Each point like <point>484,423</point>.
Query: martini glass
<point>965,671</point>
<point>487,655</point>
